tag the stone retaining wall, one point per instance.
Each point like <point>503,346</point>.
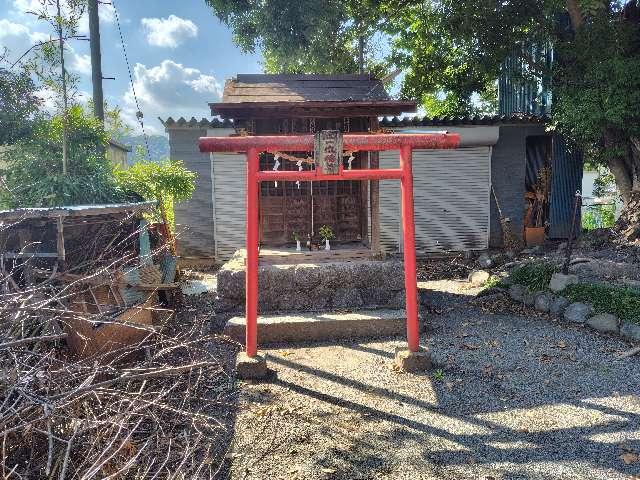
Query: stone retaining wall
<point>315,287</point>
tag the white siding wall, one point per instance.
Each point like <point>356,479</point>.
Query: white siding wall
<point>451,199</point>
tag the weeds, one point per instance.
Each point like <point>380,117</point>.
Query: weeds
<point>620,301</point>
<point>534,276</point>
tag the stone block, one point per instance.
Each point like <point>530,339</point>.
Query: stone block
<point>412,362</point>
<point>542,302</point>
<point>529,298</point>
<point>560,281</point>
<point>251,368</point>
<point>314,287</point>
<point>321,326</point>
<point>604,322</point>
<point>478,277</point>
<point>630,331</point>
<point>577,312</point>
<point>558,305</point>
<point>484,260</point>
<point>517,292</point>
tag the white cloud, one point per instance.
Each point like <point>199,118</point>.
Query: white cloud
<point>170,89</point>
<point>52,103</point>
<point>81,63</point>
<point>168,32</point>
<point>17,39</point>
<point>25,8</point>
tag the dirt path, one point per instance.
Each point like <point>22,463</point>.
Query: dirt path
<point>517,397</point>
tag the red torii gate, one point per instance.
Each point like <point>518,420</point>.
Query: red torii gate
<point>253,145</point>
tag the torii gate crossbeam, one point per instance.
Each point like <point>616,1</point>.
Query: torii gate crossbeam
<point>253,145</point>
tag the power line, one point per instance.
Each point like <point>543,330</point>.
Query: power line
<point>139,115</point>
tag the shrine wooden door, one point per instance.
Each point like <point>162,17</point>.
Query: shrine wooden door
<point>288,207</point>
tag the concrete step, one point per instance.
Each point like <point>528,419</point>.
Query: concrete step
<point>321,326</point>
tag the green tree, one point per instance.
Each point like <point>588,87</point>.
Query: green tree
<point>18,105</point>
<point>33,176</point>
<point>452,52</point>
<point>305,36</point>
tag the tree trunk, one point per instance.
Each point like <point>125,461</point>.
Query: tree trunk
<point>575,14</point>
<point>628,224</point>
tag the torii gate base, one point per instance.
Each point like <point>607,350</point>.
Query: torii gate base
<point>250,364</point>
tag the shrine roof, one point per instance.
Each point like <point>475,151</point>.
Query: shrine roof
<point>258,95</point>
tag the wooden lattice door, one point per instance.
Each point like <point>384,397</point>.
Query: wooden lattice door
<point>287,207</point>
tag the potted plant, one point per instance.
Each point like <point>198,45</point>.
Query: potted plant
<point>296,237</point>
<point>327,234</point>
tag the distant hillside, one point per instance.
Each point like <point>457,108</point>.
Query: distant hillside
<point>158,146</point>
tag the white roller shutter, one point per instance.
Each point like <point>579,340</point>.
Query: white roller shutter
<point>451,199</point>
<point>229,183</point>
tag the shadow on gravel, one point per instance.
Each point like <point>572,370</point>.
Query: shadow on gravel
<point>526,392</point>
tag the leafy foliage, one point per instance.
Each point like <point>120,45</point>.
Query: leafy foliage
<point>18,105</point>
<point>33,173</point>
<point>534,275</point>
<point>599,216</point>
<point>597,85</point>
<point>165,182</point>
<point>305,36</point>
<point>620,301</point>
<point>326,232</point>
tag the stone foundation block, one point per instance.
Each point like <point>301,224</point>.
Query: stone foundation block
<point>412,362</point>
<point>251,368</point>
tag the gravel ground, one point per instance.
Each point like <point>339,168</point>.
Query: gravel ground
<point>514,397</point>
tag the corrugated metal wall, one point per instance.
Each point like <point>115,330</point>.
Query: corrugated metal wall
<point>567,168</point>
<point>194,217</point>
<point>229,184</point>
<point>451,200</point>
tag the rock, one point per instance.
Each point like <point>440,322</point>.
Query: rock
<point>558,305</point>
<point>562,247</point>
<point>560,281</point>
<point>605,269</point>
<point>577,312</point>
<point>630,331</point>
<point>478,277</point>
<point>543,301</point>
<point>529,298</point>
<point>484,260</point>
<point>517,292</point>
<point>604,322</point>
<point>635,284</point>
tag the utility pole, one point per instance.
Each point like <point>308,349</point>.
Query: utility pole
<point>96,60</point>
<point>65,99</point>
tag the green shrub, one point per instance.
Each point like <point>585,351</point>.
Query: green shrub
<point>535,276</point>
<point>620,301</point>
<point>599,216</point>
<point>167,182</point>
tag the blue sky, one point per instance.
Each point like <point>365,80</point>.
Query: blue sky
<point>180,54</point>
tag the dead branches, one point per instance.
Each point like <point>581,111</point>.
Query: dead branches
<point>154,409</point>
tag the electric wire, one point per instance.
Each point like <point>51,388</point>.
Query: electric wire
<point>139,115</point>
